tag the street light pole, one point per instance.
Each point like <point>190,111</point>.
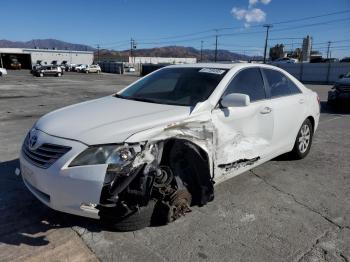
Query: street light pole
<point>268,26</point>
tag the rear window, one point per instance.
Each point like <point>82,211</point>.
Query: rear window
<point>279,84</point>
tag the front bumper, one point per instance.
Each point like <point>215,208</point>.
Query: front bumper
<point>74,190</point>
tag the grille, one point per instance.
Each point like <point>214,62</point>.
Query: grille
<point>45,155</point>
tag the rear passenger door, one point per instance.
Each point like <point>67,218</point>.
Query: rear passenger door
<point>288,105</point>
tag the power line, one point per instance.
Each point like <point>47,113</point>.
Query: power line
<point>112,44</point>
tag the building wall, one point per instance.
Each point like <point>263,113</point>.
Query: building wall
<point>47,55</point>
<point>72,57</point>
<point>160,60</point>
<point>316,72</point>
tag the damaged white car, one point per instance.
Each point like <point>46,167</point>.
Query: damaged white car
<point>148,153</point>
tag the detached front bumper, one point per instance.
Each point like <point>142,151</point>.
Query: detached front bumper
<point>74,190</point>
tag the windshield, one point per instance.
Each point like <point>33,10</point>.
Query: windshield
<point>175,86</point>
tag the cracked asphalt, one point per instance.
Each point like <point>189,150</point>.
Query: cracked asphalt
<point>280,211</point>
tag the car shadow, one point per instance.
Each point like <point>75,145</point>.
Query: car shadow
<point>24,219</point>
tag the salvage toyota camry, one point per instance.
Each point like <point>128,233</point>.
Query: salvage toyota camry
<point>150,152</point>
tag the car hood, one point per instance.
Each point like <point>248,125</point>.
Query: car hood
<point>343,81</point>
<point>108,120</point>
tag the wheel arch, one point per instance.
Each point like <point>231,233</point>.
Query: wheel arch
<point>202,189</point>
<point>312,120</point>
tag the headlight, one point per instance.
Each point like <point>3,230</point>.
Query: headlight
<point>118,155</point>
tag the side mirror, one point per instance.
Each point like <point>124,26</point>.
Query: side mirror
<point>235,100</point>
<point>341,76</point>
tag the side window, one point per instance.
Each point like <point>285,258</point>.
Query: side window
<point>280,85</point>
<point>248,81</point>
<point>293,87</point>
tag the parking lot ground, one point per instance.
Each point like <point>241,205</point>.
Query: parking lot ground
<point>280,211</point>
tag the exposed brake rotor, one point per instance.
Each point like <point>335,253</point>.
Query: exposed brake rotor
<point>180,202</point>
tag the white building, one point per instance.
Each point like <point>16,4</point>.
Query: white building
<point>306,49</point>
<point>29,57</point>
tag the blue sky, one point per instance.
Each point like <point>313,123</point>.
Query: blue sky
<point>155,23</point>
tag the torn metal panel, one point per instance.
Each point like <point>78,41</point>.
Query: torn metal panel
<point>239,163</point>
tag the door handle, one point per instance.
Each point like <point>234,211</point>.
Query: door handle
<point>302,101</point>
<point>266,110</point>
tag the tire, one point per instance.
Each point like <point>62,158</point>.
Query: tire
<point>98,71</point>
<point>58,74</point>
<point>0,73</point>
<point>303,141</point>
<point>141,218</point>
<point>87,71</point>
<point>41,75</point>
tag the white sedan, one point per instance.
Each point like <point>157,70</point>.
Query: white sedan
<point>148,153</point>
<point>3,71</point>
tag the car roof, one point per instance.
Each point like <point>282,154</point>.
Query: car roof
<point>223,65</point>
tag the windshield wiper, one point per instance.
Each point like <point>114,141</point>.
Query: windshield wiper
<point>141,99</point>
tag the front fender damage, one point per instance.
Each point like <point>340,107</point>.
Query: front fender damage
<point>175,167</point>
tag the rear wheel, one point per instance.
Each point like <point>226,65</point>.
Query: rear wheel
<point>58,74</point>
<point>303,141</point>
<point>0,73</point>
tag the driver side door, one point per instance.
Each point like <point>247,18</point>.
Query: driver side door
<point>243,134</point>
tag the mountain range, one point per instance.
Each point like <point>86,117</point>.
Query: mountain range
<point>105,54</point>
<point>45,44</point>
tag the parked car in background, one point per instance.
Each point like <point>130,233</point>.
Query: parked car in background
<point>340,93</point>
<point>345,60</point>
<point>330,60</point>
<point>158,146</point>
<point>64,65</point>
<point>129,69</point>
<point>92,69</point>
<point>285,60</point>
<point>14,63</point>
<point>35,68</point>
<point>48,70</point>
<point>80,67</point>
<point>324,60</point>
<point>3,71</point>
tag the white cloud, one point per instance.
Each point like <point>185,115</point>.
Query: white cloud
<point>249,15</point>
<point>253,2</point>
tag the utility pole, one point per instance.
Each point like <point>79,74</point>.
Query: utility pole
<point>202,50</point>
<point>268,26</point>
<point>216,45</point>
<point>131,47</point>
<point>98,54</point>
<point>328,48</point>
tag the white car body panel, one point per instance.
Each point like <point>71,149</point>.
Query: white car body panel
<point>227,135</point>
<point>3,71</point>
